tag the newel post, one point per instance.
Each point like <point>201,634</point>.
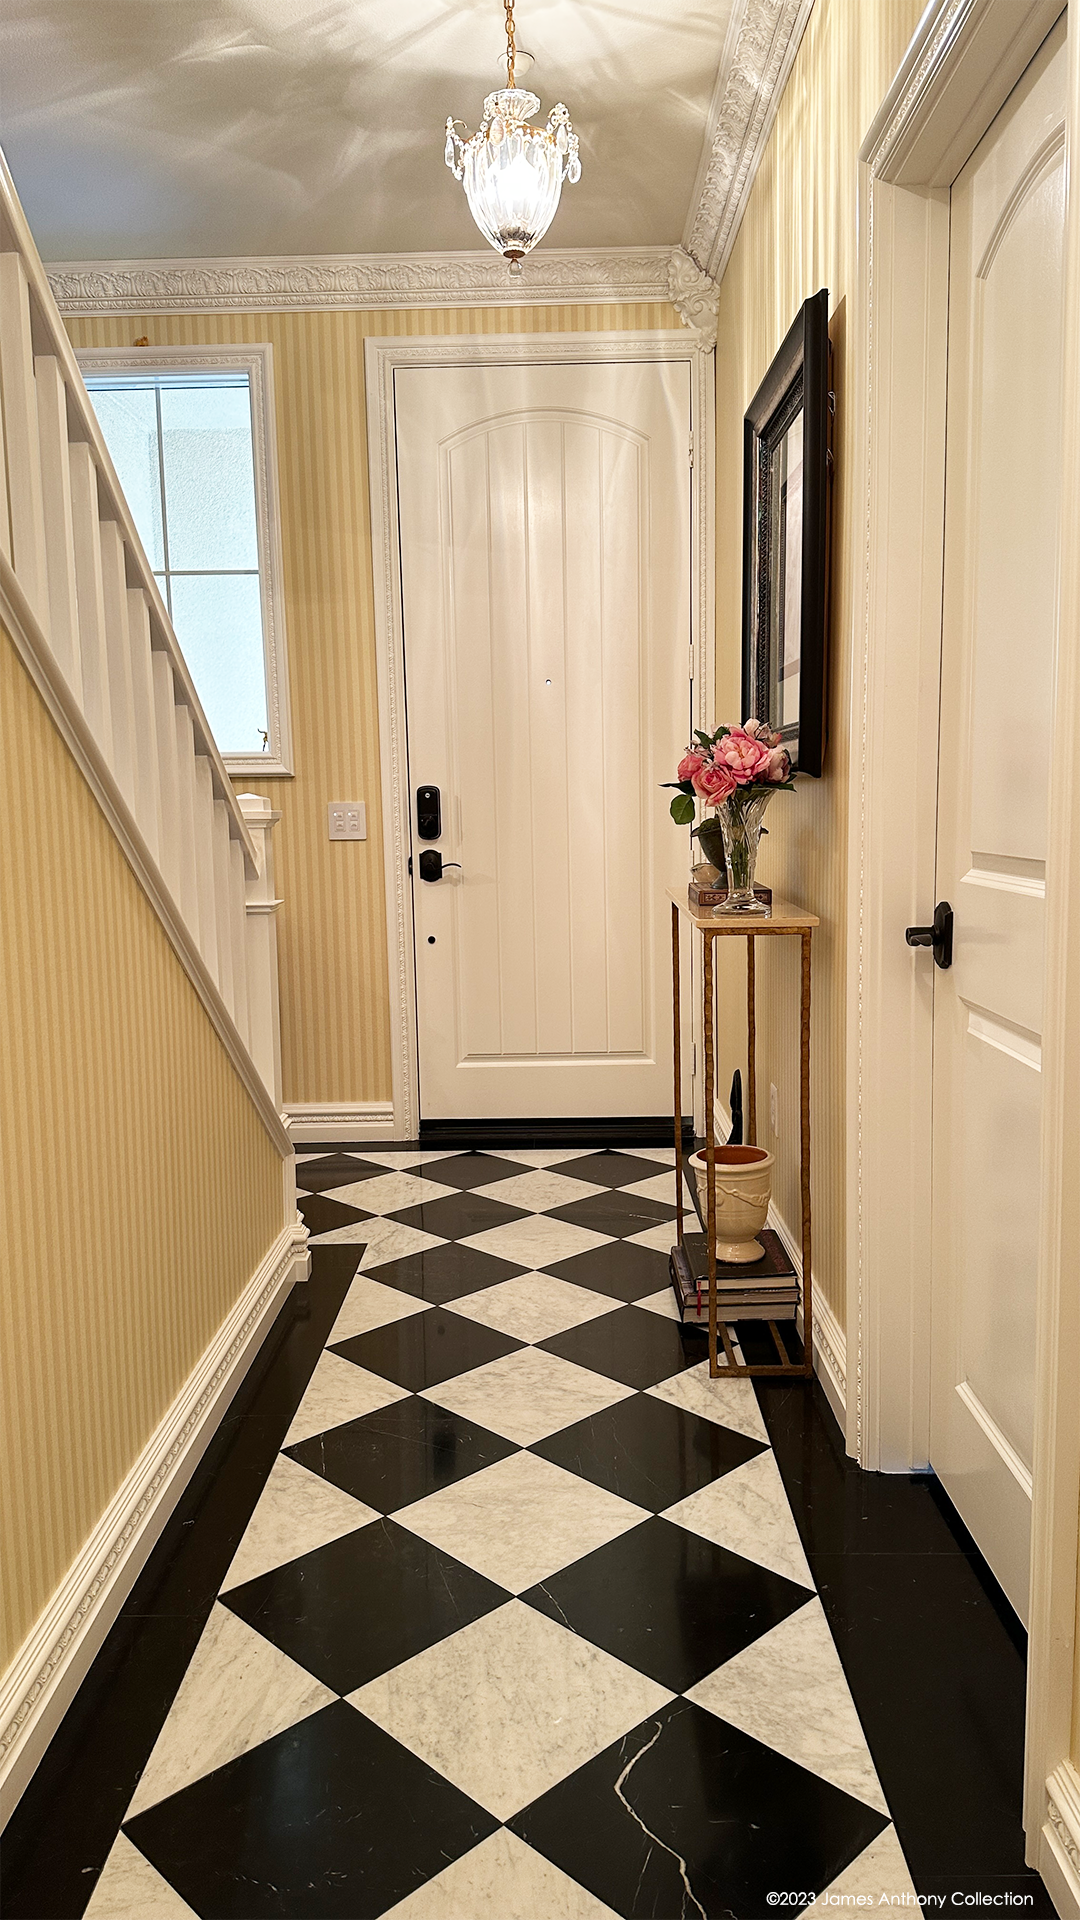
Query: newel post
<point>261,949</point>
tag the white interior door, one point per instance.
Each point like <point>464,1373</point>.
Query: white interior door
<point>544,516</point>
<point>1002,466</point>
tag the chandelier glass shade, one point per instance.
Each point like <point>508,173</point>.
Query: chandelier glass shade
<point>513,172</point>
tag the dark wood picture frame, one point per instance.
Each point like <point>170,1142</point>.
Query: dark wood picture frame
<point>786,515</point>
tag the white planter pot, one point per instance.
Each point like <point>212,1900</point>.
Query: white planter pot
<point>743,1190</point>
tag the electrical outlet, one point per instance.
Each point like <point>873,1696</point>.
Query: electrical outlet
<point>774,1110</point>
<point>348,820</point>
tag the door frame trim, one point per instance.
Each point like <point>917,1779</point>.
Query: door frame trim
<point>963,62</point>
<point>382,358</point>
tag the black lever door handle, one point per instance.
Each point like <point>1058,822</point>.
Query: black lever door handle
<point>938,936</point>
<point>432,865</point>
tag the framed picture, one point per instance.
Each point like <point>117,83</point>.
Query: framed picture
<point>787,473</point>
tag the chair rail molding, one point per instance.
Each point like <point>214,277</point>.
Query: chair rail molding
<point>44,1677</point>
<point>382,358</point>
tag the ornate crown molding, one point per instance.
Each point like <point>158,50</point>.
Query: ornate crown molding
<point>752,80</point>
<point>359,280</point>
<point>695,296</point>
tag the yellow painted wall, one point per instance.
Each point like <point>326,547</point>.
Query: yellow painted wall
<point>800,233</point>
<point>142,1190</point>
<point>332,928</point>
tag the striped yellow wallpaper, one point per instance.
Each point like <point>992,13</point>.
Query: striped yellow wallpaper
<point>334,984</point>
<point>800,233</point>
<point>142,1190</point>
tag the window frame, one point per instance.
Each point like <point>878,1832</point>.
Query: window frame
<point>257,361</point>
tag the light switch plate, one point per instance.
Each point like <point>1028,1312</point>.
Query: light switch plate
<point>348,819</point>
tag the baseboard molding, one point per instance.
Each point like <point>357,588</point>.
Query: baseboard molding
<point>44,1677</point>
<point>367,1120</point>
<point>640,1130</point>
<point>1059,1841</point>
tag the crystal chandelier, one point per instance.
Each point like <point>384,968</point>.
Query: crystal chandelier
<point>513,173</point>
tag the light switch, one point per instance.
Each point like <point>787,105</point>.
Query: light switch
<point>348,820</point>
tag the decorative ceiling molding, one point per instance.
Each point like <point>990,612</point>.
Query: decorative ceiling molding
<point>759,56</point>
<point>287,285</point>
<point>695,296</point>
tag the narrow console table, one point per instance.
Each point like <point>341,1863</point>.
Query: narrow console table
<point>783,921</point>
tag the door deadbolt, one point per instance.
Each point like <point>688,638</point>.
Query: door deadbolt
<point>428,813</point>
<point>938,936</point>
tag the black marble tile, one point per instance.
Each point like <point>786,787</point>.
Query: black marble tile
<point>625,1272</point>
<point>686,1794</point>
<point>647,1451</point>
<point>391,1458</point>
<point>457,1215</point>
<point>613,1169</point>
<point>441,1274</point>
<point>619,1214</point>
<point>667,1602</point>
<point>321,1214</point>
<point>632,1345</point>
<point>362,1604</point>
<point>427,1348</point>
<point>466,1170</point>
<point>330,1820</point>
<point>336,1170</point>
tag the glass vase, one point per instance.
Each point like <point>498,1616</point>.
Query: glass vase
<point>740,818</point>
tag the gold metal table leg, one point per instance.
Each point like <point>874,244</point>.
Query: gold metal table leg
<point>804,1118</point>
<point>676,1023</point>
<point>710,1141</point>
<point>751,1044</point>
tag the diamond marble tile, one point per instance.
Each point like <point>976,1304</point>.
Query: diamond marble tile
<point>537,1156</point>
<point>620,1215</point>
<point>129,1888</point>
<point>617,1267</point>
<point>427,1348</point>
<point>658,1239</point>
<point>667,1602</point>
<point>662,1303</point>
<point>648,1452</point>
<point>391,1191</point>
<point>467,1170</point>
<point>747,1512</point>
<point>608,1168</point>
<point>502,1879</point>
<point>520,1520</point>
<point>439,1274</point>
<point>637,1348</point>
<point>398,1455</point>
<point>539,1191</point>
<point>321,1213</point>
<point>458,1215</point>
<point>383,1240</point>
<point>238,1690</point>
<point>296,1511</point>
<point>508,1706</point>
<point>534,1305</point>
<point>876,1875</point>
<point>328,1171</point>
<point>661,1188</point>
<point>527,1395</point>
<point>368,1304</point>
<point>330,1820</point>
<point>337,1392</point>
<point>731,1403</point>
<point>685,1816</point>
<point>535,1241</point>
<point>362,1604</point>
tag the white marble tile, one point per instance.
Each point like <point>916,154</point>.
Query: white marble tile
<point>534,1306</point>
<point>527,1395</point>
<point>536,1241</point>
<point>297,1512</point>
<point>539,1191</point>
<point>747,1512</point>
<point>129,1888</point>
<point>731,1403</point>
<point>876,1874</point>
<point>501,1879</point>
<point>404,1157</point>
<point>660,1238</point>
<point>338,1391</point>
<point>391,1192</point>
<point>369,1304</point>
<point>238,1691</point>
<point>382,1240</point>
<point>662,1303</point>
<point>665,1155</point>
<point>521,1520</point>
<point>661,1186</point>
<point>788,1690</point>
<point>509,1706</point>
<point>538,1157</point>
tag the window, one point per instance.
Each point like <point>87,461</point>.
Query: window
<point>191,440</point>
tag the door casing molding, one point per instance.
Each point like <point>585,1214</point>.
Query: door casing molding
<point>964,61</point>
<point>382,360</point>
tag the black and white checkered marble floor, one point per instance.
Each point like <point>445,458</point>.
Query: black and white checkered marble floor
<point>521,1627</point>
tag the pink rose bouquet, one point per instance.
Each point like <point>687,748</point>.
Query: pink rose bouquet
<point>737,761</point>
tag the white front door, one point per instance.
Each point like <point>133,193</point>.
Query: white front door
<point>544,516</point>
<point>1002,466</point>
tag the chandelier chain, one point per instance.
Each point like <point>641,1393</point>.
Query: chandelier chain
<point>511,47</point>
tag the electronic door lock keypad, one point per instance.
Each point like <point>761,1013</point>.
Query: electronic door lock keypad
<point>428,813</point>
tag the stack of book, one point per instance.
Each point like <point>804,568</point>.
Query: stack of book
<point>766,1289</point>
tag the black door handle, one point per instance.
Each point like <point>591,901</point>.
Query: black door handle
<point>432,864</point>
<point>938,936</point>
